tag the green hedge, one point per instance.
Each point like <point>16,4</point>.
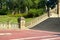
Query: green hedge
<point>35,12</point>
<point>31,13</point>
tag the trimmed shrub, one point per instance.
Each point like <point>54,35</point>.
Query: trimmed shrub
<point>40,12</point>
<point>32,13</point>
<point>35,12</point>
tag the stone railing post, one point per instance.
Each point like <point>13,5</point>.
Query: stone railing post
<point>21,23</point>
<point>8,23</point>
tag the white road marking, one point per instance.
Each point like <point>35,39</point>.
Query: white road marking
<point>2,34</point>
<point>45,31</point>
<point>46,39</point>
<point>51,38</point>
<point>42,37</point>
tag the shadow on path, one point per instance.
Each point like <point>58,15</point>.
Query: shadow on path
<point>51,24</point>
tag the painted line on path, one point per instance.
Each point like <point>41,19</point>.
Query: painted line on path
<point>41,37</point>
<point>2,34</point>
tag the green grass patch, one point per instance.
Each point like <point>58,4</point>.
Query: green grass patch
<point>29,19</point>
<point>5,19</point>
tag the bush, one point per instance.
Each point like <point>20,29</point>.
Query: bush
<point>40,12</point>
<point>18,15</point>
<point>25,15</point>
<point>3,12</point>
<point>35,12</point>
<point>32,13</point>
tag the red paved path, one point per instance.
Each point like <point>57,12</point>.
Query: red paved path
<point>28,35</point>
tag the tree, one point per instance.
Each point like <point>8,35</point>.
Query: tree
<point>0,4</point>
<point>50,4</point>
<point>41,4</point>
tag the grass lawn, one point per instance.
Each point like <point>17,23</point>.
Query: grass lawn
<point>4,19</point>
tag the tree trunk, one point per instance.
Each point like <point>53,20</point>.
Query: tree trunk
<point>19,11</point>
<point>58,7</point>
<point>26,9</point>
<point>0,5</point>
<point>13,13</point>
<point>48,11</point>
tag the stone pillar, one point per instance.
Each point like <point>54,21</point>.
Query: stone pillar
<point>8,25</point>
<point>21,23</point>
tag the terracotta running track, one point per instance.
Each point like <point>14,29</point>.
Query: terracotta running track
<point>28,35</point>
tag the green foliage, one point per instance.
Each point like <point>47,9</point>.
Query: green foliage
<point>41,4</point>
<point>34,8</point>
<point>6,18</point>
<point>51,3</point>
<point>3,12</point>
<point>16,15</point>
<point>32,12</point>
<point>35,12</point>
<point>40,12</point>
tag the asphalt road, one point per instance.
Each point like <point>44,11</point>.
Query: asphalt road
<point>51,24</point>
